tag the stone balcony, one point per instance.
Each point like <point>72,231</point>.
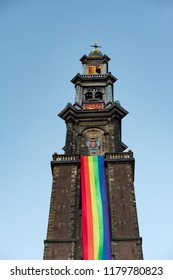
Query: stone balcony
<point>119,156</point>
<point>108,157</point>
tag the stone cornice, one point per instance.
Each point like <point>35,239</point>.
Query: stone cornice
<point>70,112</point>
<point>85,58</point>
<point>94,77</point>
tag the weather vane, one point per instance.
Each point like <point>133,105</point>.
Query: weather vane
<point>95,45</point>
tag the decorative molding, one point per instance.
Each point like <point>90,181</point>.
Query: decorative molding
<point>92,124</point>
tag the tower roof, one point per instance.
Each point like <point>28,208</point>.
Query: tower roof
<point>95,52</point>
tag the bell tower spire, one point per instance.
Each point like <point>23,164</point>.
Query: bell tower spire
<point>93,136</point>
<point>95,85</point>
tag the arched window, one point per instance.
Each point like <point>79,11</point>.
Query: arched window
<point>88,95</point>
<point>98,95</point>
<point>90,70</point>
<point>98,70</point>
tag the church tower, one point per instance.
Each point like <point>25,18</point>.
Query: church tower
<point>93,132</point>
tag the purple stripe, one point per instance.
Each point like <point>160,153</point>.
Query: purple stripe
<point>103,189</point>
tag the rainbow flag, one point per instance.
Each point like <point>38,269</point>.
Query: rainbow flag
<point>95,218</point>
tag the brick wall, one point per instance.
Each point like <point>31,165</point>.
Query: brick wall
<point>126,243</point>
<point>61,234</point>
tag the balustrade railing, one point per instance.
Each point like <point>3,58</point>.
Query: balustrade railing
<point>94,76</point>
<point>108,156</point>
<point>58,157</point>
<point>117,156</point>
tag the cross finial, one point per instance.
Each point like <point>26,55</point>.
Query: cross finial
<point>95,45</point>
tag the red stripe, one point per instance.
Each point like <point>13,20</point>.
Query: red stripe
<point>89,212</point>
<point>84,213</point>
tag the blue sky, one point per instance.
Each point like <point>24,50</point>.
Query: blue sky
<point>41,42</point>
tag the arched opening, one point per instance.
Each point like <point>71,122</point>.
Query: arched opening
<point>98,95</point>
<point>88,95</point>
<point>90,70</point>
<point>98,70</point>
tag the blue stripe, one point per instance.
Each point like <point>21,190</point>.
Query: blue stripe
<point>103,190</point>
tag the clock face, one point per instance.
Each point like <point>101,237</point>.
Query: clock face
<point>92,106</point>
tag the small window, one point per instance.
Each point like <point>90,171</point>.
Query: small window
<point>88,95</point>
<point>91,70</point>
<point>98,70</point>
<point>98,95</point>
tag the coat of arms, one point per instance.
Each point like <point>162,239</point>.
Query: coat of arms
<point>93,143</point>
